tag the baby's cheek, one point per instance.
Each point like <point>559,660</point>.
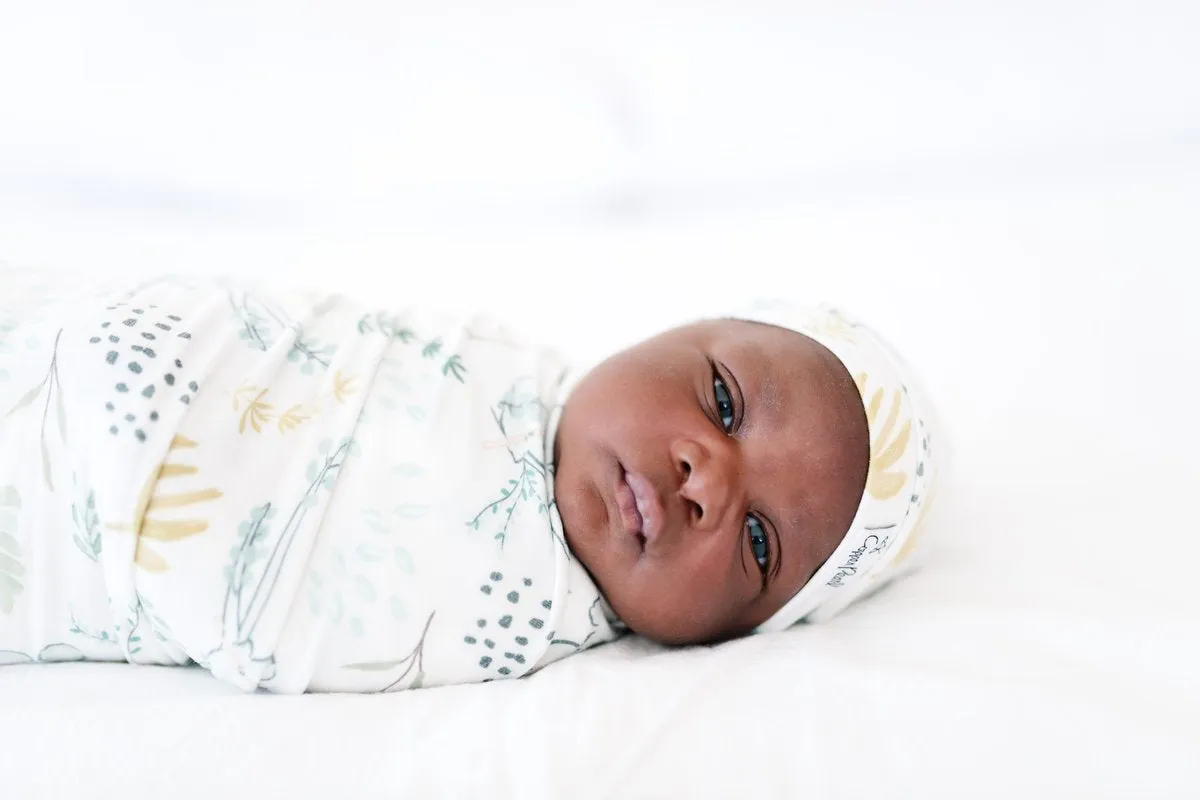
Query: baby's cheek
<point>683,603</point>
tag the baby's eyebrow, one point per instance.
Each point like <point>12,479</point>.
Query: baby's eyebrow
<point>768,394</point>
<point>758,381</point>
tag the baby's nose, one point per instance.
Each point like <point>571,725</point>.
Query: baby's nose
<point>709,480</point>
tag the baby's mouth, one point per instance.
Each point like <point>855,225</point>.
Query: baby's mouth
<point>632,521</point>
<point>640,508</point>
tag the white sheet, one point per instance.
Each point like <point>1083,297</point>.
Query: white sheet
<point>1049,649</point>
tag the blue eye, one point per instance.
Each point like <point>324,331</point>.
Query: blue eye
<point>724,402</point>
<point>760,545</point>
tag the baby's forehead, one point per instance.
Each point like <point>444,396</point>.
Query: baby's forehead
<point>780,352</point>
<point>786,371</point>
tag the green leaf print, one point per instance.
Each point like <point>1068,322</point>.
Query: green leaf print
<point>454,366</point>
<point>60,652</point>
<point>404,560</point>
<point>61,414</point>
<point>413,663</point>
<point>8,657</point>
<point>87,527</point>
<point>411,510</point>
<point>11,568</point>
<point>53,387</point>
<point>27,399</point>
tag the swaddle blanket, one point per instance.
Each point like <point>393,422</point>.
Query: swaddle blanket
<point>289,489</point>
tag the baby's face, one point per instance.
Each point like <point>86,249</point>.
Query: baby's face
<point>704,475</point>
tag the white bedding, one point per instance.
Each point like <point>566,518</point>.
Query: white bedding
<point>1049,648</point>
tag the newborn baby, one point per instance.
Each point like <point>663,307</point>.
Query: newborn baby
<point>300,493</point>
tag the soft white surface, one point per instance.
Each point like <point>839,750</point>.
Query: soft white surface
<point>1049,649</point>
<point>1041,279</point>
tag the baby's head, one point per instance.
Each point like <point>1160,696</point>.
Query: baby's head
<point>741,474</point>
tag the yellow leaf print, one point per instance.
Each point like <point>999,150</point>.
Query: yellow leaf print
<point>343,387</point>
<point>151,499</point>
<point>887,445</point>
<point>292,419</point>
<point>832,325</point>
<point>257,412</point>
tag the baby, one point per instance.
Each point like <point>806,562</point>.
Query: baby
<point>300,493</point>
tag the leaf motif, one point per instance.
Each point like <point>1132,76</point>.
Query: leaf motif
<point>365,589</point>
<point>61,410</point>
<point>404,560</point>
<point>10,587</point>
<point>411,510</point>
<point>418,681</point>
<point>27,399</point>
<point>83,548</point>
<point>9,564</point>
<point>884,485</point>
<point>13,657</point>
<point>369,552</point>
<point>149,560</point>
<point>46,465</point>
<point>60,652</point>
<point>9,496</point>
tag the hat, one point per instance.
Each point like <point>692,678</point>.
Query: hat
<point>878,546</point>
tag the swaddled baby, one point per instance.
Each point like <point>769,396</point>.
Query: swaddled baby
<point>302,493</point>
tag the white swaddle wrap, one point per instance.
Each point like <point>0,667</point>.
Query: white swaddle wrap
<point>291,490</point>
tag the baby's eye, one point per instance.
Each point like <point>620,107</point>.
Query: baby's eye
<point>760,545</point>
<point>724,402</point>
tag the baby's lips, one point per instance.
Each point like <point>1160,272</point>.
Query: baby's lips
<point>649,504</point>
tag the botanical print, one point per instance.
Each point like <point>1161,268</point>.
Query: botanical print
<point>918,526</point>
<point>455,450</point>
<point>513,613</point>
<point>365,571</point>
<point>86,533</point>
<point>258,558</point>
<point>53,388</point>
<point>50,654</point>
<point>256,413</point>
<point>595,615</point>
<point>413,660</point>
<point>151,499</point>
<point>887,445</point>
<point>393,328</point>
<point>262,325</point>
<point>523,410</point>
<point>12,571</point>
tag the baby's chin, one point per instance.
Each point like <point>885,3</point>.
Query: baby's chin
<point>675,631</point>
